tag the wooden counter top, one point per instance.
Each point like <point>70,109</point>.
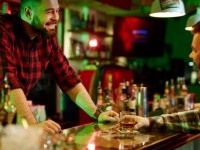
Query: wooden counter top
<point>107,137</point>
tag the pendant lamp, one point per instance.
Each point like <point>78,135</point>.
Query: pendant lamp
<point>192,20</point>
<point>167,8</point>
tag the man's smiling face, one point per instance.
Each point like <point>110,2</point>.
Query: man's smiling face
<point>46,17</point>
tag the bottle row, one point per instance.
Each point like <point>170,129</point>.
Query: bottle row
<point>133,98</point>
<point>130,97</point>
<point>176,97</point>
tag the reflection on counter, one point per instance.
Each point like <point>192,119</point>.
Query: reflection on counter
<point>95,136</point>
<point>106,136</point>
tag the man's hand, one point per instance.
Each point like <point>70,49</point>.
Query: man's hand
<point>49,127</point>
<point>108,116</point>
<point>141,121</point>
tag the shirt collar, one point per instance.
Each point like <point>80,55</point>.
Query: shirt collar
<point>29,30</point>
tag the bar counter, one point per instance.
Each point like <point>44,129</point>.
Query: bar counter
<point>95,136</point>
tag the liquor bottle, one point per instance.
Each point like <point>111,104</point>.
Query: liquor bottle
<point>128,95</point>
<point>178,86</point>
<point>122,98</point>
<point>166,89</point>
<point>156,102</point>
<point>142,102</point>
<point>139,103</point>
<point>172,99</point>
<point>188,101</point>
<point>118,97</point>
<point>106,101</point>
<point>166,97</point>
<point>110,91</point>
<point>133,97</point>
<point>179,95</point>
<point>7,108</point>
<point>194,75</point>
<point>145,101</point>
<point>99,95</point>
<point>184,89</point>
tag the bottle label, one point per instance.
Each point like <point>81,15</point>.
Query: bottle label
<point>131,104</point>
<point>108,108</point>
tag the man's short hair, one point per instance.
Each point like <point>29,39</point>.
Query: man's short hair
<point>196,28</point>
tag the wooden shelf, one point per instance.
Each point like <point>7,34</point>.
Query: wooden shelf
<point>90,58</point>
<point>99,34</point>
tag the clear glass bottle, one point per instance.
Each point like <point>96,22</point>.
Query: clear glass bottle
<point>107,105</point>
<point>99,95</point>
<point>166,97</point>
<point>156,102</point>
<point>122,98</point>
<point>110,91</point>
<point>7,108</point>
<point>133,97</point>
<point>142,102</point>
<point>139,103</point>
<point>173,102</point>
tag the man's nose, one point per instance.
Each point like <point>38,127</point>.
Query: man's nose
<point>191,55</point>
<point>56,15</point>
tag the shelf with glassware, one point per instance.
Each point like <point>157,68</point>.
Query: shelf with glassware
<point>89,44</point>
<point>101,34</point>
<point>88,35</point>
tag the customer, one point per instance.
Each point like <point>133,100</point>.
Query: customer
<point>28,47</point>
<point>188,121</point>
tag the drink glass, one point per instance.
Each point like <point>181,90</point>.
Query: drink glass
<point>126,124</point>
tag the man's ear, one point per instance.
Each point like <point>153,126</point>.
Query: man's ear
<point>28,12</point>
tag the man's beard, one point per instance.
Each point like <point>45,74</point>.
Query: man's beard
<point>36,24</point>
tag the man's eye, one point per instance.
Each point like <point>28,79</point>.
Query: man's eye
<point>52,11</point>
<point>58,11</point>
<point>49,12</point>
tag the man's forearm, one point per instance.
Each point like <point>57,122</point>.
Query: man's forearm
<point>81,97</point>
<point>22,106</point>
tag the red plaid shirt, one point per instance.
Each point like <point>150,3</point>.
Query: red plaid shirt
<point>25,60</point>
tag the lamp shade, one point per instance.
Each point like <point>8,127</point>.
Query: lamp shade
<point>192,20</point>
<point>167,8</point>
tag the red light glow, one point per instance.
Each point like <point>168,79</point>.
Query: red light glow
<point>93,43</point>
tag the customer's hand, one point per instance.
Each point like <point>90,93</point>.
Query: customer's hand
<point>49,127</point>
<point>140,121</point>
<point>108,116</point>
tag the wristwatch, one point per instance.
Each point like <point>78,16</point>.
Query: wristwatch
<point>97,112</point>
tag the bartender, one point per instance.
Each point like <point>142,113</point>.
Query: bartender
<point>28,47</point>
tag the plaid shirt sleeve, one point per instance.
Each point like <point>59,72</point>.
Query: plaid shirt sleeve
<point>60,68</point>
<point>187,121</point>
<point>7,58</point>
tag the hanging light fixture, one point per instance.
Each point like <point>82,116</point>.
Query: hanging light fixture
<point>192,20</point>
<point>167,8</point>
